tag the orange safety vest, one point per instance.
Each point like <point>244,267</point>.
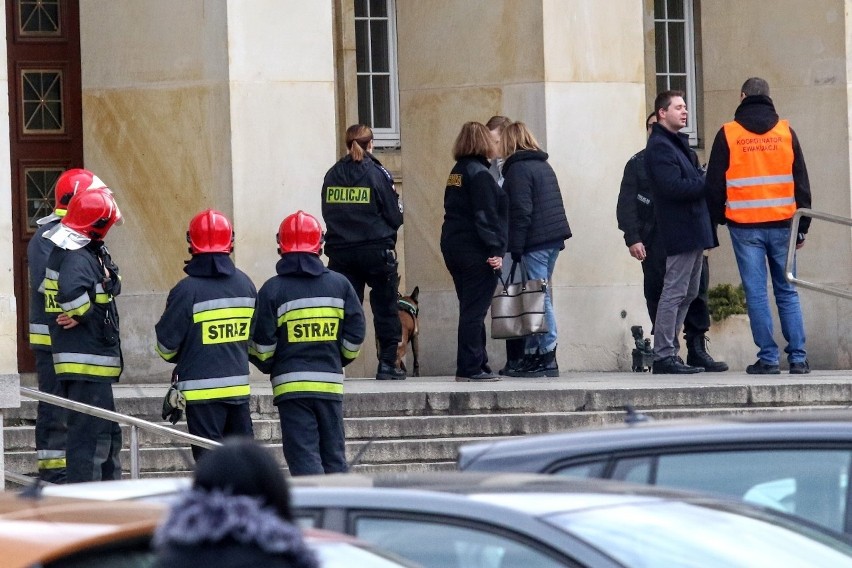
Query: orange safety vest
<point>759,179</point>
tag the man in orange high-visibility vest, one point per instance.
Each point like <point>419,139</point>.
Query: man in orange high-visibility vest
<point>756,179</point>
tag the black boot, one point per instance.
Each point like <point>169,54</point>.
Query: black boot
<point>512,366</point>
<point>545,365</point>
<point>697,356</point>
<point>528,362</point>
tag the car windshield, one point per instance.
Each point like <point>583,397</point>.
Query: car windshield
<point>668,534</point>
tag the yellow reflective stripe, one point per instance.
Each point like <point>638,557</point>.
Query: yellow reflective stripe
<point>304,313</point>
<point>167,355</point>
<point>102,298</point>
<point>56,463</point>
<point>223,313</point>
<point>39,339</point>
<point>262,356</point>
<point>50,284</point>
<point>307,386</point>
<point>221,392</point>
<point>84,369</point>
<point>350,354</point>
<point>79,311</point>
<point>51,304</point>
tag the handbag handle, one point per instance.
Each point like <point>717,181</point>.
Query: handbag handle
<point>524,275</point>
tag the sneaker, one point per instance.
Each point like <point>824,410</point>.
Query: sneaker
<point>387,372</point>
<point>761,368</point>
<point>800,368</point>
<point>482,377</point>
<point>671,366</point>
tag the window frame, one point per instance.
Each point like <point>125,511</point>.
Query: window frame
<point>384,137</point>
<point>688,20</point>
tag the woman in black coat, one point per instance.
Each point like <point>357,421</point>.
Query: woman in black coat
<point>538,229</point>
<point>473,241</point>
<point>237,515</point>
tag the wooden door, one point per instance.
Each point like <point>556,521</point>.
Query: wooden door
<point>45,124</point>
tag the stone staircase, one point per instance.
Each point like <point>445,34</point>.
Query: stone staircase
<point>418,424</point>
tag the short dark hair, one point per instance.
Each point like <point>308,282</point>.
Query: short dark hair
<point>498,122</point>
<point>243,467</point>
<point>755,86</point>
<point>664,99</point>
<point>648,120</point>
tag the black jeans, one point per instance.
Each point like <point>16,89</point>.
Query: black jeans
<point>654,268</point>
<point>216,421</point>
<point>378,270</point>
<point>475,282</point>
<point>93,443</point>
<point>312,435</point>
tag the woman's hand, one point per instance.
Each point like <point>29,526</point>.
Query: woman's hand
<point>495,262</point>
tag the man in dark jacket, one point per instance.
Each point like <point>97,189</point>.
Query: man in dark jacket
<point>677,187</point>
<point>635,214</point>
<point>205,330</point>
<point>363,213</point>
<point>756,180</point>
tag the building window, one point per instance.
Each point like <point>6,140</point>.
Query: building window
<point>375,55</point>
<point>39,184</point>
<point>674,31</point>
<point>39,18</point>
<point>41,101</point>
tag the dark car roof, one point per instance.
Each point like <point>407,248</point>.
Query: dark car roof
<point>541,450</point>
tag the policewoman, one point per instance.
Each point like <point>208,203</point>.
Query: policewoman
<point>205,330</point>
<point>362,214</point>
<point>309,325</point>
<point>80,283</point>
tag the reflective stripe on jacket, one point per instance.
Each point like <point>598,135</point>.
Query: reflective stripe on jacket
<point>759,178</point>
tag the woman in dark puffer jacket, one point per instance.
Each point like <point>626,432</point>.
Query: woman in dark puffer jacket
<point>538,229</point>
<point>237,515</point>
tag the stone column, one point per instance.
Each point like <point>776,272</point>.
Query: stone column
<point>573,70</point>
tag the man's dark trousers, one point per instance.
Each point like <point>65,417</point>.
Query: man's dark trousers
<point>654,268</point>
<point>376,268</point>
<point>51,429</point>
<point>93,443</point>
<point>217,420</point>
<point>312,435</point>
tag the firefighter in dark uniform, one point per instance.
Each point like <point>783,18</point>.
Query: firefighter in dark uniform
<point>309,325</point>
<point>82,281</point>
<point>205,330</point>
<point>362,213</point>
<point>50,427</point>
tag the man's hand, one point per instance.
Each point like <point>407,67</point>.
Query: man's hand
<point>66,322</point>
<point>637,251</point>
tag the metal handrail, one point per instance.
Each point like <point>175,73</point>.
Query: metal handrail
<point>135,424</point>
<point>791,253</point>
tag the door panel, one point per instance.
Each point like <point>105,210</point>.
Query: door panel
<point>45,124</point>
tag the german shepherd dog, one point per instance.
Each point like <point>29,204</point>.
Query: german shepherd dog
<point>408,312</point>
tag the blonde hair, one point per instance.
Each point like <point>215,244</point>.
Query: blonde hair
<point>516,137</point>
<point>358,138</point>
<point>473,140</point>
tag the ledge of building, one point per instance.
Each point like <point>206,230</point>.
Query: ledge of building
<point>10,390</point>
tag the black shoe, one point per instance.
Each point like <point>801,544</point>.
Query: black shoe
<point>525,364</point>
<point>697,355</point>
<point>545,366</point>
<point>482,377</point>
<point>761,368</point>
<point>800,368</point>
<point>671,366</point>
<point>387,372</point>
<point>511,366</point>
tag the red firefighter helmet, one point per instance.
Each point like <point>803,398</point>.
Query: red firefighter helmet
<point>92,213</point>
<point>300,232</point>
<point>70,182</point>
<point>210,231</point>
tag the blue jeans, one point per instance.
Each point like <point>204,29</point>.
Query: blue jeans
<point>753,247</point>
<point>540,264</point>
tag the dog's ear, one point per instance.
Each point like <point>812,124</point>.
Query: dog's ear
<point>415,293</point>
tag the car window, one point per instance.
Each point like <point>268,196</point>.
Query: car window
<point>350,555</point>
<point>634,470</point>
<point>807,483</point>
<point>583,470</point>
<point>434,544</point>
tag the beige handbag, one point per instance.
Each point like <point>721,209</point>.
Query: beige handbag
<point>517,310</point>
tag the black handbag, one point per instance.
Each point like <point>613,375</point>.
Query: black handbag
<point>517,310</point>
